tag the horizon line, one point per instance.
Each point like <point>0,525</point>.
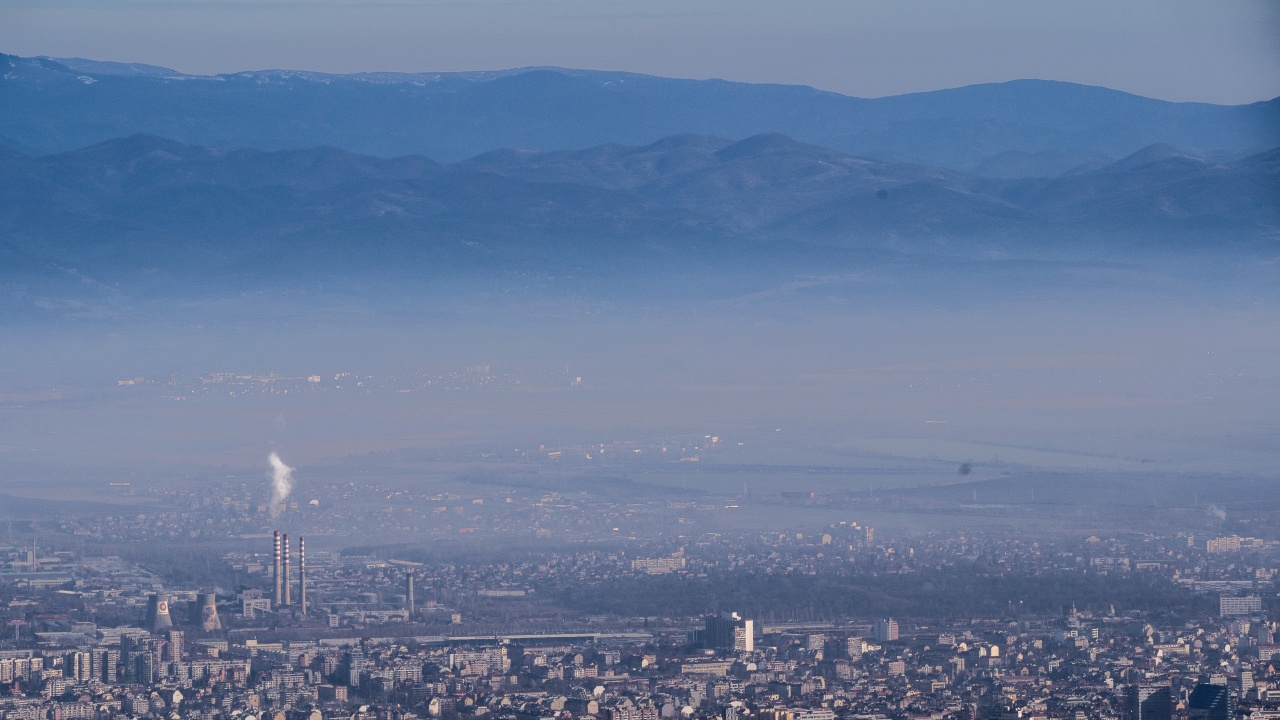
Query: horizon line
<point>511,71</point>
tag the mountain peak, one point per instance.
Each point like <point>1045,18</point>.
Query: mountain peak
<point>137,145</point>
<point>768,143</point>
<point>1153,154</point>
<point>107,67</point>
<point>686,141</point>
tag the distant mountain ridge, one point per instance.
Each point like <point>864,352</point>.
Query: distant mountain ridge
<point>1020,128</point>
<point>145,204</point>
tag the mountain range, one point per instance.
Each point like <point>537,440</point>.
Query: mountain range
<point>1014,129</point>
<point>131,180</point>
<point>154,204</point>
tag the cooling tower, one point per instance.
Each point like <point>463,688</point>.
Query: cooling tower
<point>158,619</point>
<point>275,570</point>
<point>209,621</point>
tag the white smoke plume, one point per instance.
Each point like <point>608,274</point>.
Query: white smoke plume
<point>281,484</point>
<point>1217,512</point>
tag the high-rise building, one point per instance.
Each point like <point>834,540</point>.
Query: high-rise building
<point>110,666</point>
<point>1245,681</point>
<point>97,663</point>
<point>77,666</point>
<point>174,649</point>
<point>1210,702</point>
<point>730,631</point>
<point>144,668</point>
<point>355,666</point>
<point>138,659</point>
<point>1148,702</point>
<point>1236,606</point>
<point>854,647</point>
<point>885,630</point>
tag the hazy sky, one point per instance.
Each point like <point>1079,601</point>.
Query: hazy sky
<point>1227,52</point>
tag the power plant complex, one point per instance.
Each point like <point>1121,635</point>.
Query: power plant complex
<point>203,612</point>
<point>286,597</point>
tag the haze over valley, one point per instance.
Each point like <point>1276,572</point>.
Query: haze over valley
<point>1000,274</point>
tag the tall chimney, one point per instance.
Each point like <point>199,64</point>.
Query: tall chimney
<point>275,570</point>
<point>302,574</point>
<point>288,580</point>
<point>408,591</point>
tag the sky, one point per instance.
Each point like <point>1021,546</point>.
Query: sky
<point>1221,52</point>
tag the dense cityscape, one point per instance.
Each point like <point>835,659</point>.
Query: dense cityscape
<point>571,605</point>
<point>639,360</point>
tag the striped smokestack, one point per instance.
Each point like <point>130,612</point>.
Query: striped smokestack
<point>302,574</point>
<point>408,592</point>
<point>288,580</point>
<point>275,570</point>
